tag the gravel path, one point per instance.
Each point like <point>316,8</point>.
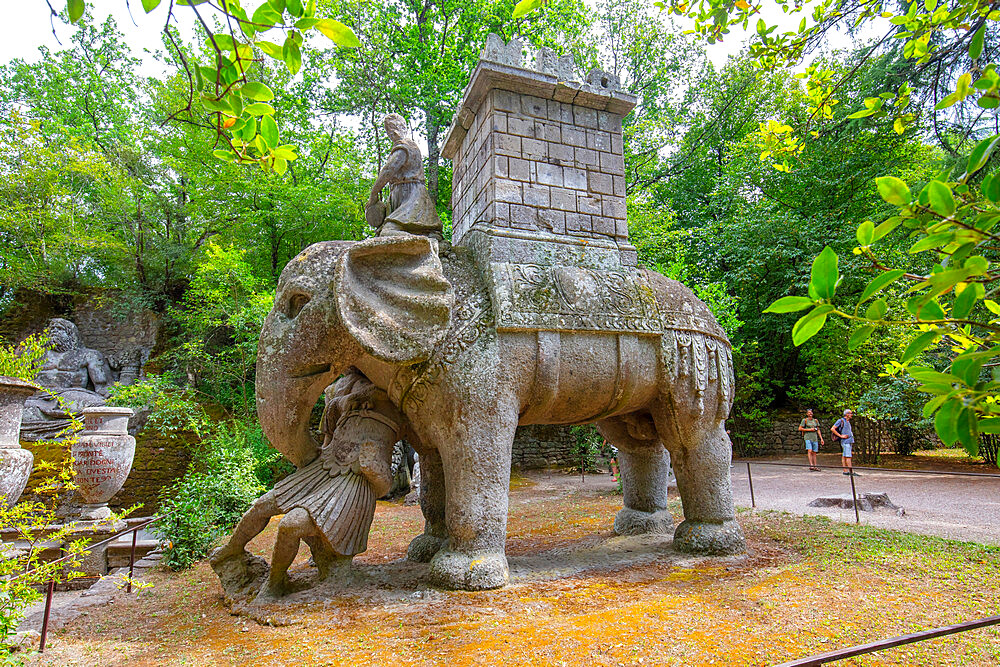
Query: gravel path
<point>961,508</point>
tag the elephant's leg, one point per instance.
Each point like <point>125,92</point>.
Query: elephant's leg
<point>432,503</point>
<point>701,452</point>
<point>294,526</point>
<point>644,467</point>
<point>477,475</point>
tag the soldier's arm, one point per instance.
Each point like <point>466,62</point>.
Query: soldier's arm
<point>397,158</point>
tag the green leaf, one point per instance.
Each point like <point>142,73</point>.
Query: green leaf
<point>75,8</point>
<point>150,5</point>
<point>228,156</point>
<point>339,34</point>
<point>286,152</point>
<point>525,6</point>
<point>976,45</point>
<point>295,8</point>
<point>223,41</point>
<point>981,154</point>
<point>866,232</point>
<point>886,227</point>
<point>989,425</point>
<point>257,91</point>
<point>929,375</point>
<point>932,241</point>
<point>967,427</point>
<point>879,282</point>
<point>946,421</point>
<point>988,101</point>
<point>271,49</point>
<point>930,311</point>
<point>877,310</point>
<point>810,324</point>
<point>991,188</point>
<point>941,198</point>
<point>293,56</point>
<point>918,345</point>
<point>967,367</point>
<point>789,304</point>
<point>893,190</point>
<point>964,302</point>
<point>249,130</point>
<point>265,17</point>
<point>269,131</point>
<point>860,336</point>
<point>260,109</point>
<point>280,165</point>
<point>824,273</point>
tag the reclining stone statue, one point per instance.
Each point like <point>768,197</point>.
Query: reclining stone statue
<point>329,503</point>
<point>78,375</point>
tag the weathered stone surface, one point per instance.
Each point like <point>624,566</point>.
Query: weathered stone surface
<point>530,318</point>
<point>102,458</point>
<point>411,209</point>
<point>15,462</point>
<point>867,502</point>
<point>78,375</point>
<point>328,503</point>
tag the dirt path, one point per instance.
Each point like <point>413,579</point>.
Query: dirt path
<point>963,508</point>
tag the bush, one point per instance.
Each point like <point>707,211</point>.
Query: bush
<point>220,485</point>
<point>897,403</point>
<point>586,447</point>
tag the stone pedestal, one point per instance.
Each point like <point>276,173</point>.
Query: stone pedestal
<point>15,462</point>
<point>102,458</point>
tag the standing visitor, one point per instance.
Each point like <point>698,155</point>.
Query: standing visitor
<point>809,428</point>
<point>843,432</point>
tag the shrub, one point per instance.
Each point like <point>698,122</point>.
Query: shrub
<point>209,500</point>
<point>586,447</point>
<point>897,403</point>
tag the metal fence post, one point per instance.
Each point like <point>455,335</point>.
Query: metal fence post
<point>854,494</point>
<point>45,618</point>
<point>131,560</point>
<point>753,502</point>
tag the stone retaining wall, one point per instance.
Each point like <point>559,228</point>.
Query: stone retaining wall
<point>782,437</point>
<point>543,446</point>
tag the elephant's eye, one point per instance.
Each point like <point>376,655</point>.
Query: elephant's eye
<point>296,303</point>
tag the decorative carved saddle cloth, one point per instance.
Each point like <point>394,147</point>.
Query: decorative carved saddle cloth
<point>564,299</point>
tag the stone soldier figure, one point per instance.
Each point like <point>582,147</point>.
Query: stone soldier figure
<point>411,209</point>
<point>329,503</point>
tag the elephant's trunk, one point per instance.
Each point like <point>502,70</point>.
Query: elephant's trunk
<point>285,404</point>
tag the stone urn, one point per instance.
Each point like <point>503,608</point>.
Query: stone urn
<point>102,458</point>
<point>15,462</point>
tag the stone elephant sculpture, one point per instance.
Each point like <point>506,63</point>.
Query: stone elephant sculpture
<point>421,327</point>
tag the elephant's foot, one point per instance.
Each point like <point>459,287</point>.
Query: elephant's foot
<point>712,539</point>
<point>452,569</point>
<point>423,547</point>
<point>239,572</point>
<point>629,521</point>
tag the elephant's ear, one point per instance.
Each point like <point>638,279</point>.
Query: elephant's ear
<point>393,297</point>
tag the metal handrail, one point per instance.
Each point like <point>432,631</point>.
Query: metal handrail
<point>840,654</point>
<point>50,588</point>
<point>111,539</point>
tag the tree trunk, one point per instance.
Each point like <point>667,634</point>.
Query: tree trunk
<point>433,152</point>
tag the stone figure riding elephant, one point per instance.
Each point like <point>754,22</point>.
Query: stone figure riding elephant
<point>421,327</point>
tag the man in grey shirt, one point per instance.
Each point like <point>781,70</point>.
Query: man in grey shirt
<point>842,429</point>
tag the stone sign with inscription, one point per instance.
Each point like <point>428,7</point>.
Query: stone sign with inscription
<point>102,458</point>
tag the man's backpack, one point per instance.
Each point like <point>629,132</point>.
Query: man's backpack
<point>839,424</point>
